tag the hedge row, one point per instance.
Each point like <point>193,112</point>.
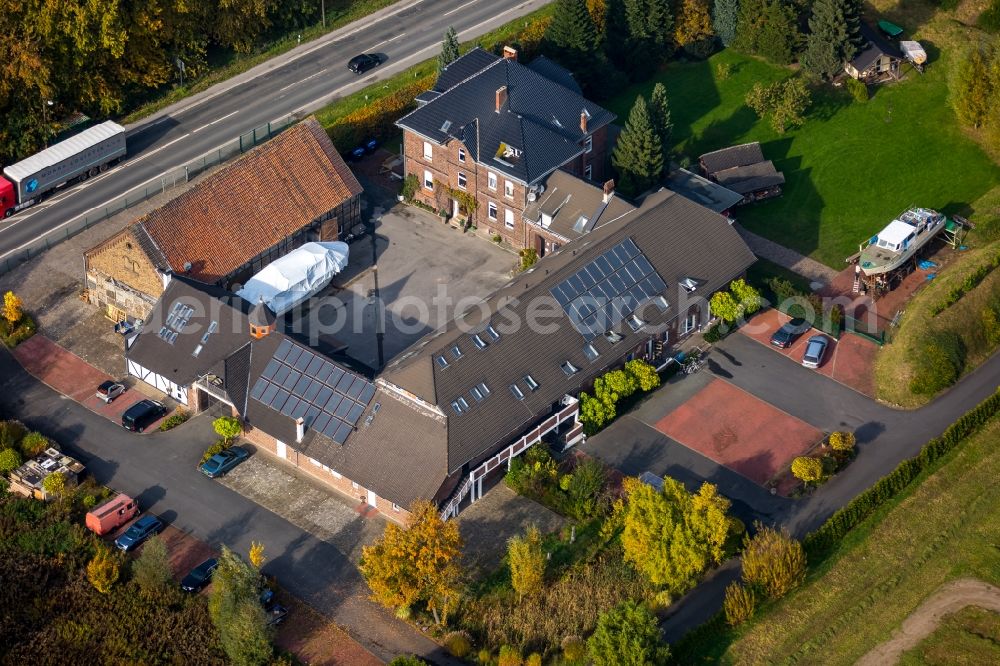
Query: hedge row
<point>970,282</point>
<point>377,118</point>
<point>839,524</point>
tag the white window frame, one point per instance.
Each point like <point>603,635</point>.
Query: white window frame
<point>491,181</point>
<point>462,180</point>
<point>428,151</point>
<point>508,189</point>
<point>461,155</point>
<point>588,172</point>
<point>508,218</point>
<point>588,144</point>
<point>690,322</point>
<point>428,180</point>
<point>491,211</point>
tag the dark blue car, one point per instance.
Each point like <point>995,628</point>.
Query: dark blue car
<point>224,461</point>
<point>199,576</point>
<point>140,530</point>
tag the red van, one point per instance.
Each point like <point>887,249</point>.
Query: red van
<point>112,514</point>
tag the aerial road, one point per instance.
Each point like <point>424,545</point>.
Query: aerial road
<point>301,81</point>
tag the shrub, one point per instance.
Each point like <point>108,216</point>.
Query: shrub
<point>970,282</point>
<point>54,484</point>
<point>407,660</point>
<point>939,358</point>
<point>808,469</point>
<point>723,70</point>
<point>842,441</point>
<point>496,238</point>
<point>484,656</point>
<point>33,444</point>
<point>103,569</point>
<point>858,90</point>
<point>378,116</point>
<point>15,334</point>
<point>529,257</point>
<point>10,460</point>
<point>218,447</point>
<point>738,604</point>
<point>11,433</point>
<point>627,634</point>
<point>990,317</point>
<point>585,487</point>
<point>534,659</point>
<point>773,562</point>
<point>458,643</point>
<point>574,649</point>
<point>175,419</point>
<point>989,20</point>
<point>411,184</point>
<point>509,656</point>
<point>89,502</point>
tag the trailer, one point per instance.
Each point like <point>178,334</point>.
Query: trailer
<point>72,160</point>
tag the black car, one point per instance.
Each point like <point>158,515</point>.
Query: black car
<point>139,416</point>
<point>789,333</point>
<point>199,576</point>
<point>140,530</point>
<point>360,64</point>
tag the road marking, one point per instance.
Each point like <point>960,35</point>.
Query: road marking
<point>215,121</point>
<point>460,7</point>
<point>303,80</point>
<point>402,34</point>
<point>375,46</point>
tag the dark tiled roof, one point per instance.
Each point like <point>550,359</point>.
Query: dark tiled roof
<point>703,191</point>
<point>260,314</point>
<point>567,199</point>
<point>467,65</point>
<point>680,239</point>
<point>747,179</point>
<point>553,71</point>
<point>734,156</point>
<point>874,47</point>
<point>250,205</point>
<point>539,123</point>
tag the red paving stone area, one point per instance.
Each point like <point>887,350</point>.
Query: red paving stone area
<point>737,430</point>
<point>849,360</point>
<point>70,375</point>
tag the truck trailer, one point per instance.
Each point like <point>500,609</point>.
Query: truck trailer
<point>74,159</point>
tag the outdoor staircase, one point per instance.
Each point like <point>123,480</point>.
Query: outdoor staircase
<point>857,285</point>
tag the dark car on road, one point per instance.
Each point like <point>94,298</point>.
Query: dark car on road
<point>789,333</point>
<point>815,350</point>
<point>224,461</point>
<point>140,530</point>
<point>360,64</point>
<point>199,576</point>
<point>142,414</point>
<point>110,390</point>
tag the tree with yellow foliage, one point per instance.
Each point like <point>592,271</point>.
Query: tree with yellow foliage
<point>103,569</point>
<point>13,308</point>
<point>808,469</point>
<point>673,536</point>
<point>693,22</point>
<point>527,562</point>
<point>257,557</point>
<point>416,563</point>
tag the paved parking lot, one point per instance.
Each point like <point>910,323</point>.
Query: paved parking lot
<point>426,271</point>
<point>848,360</point>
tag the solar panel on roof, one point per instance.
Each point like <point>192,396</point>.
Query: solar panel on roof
<point>335,377</point>
<point>300,386</point>
<point>355,413</point>
<point>595,272</point>
<point>342,432</point>
<point>587,278</point>
<point>280,398</point>
<point>312,390</point>
<point>293,355</point>
<point>605,265</point>
<point>356,388</point>
<point>561,299</point>
<point>331,428</point>
<point>577,283</point>
<point>289,405</point>
<point>312,412</point>
<point>282,374</point>
<point>271,368</point>
<point>345,383</point>
<point>324,372</point>
<point>622,253</point>
<point>321,421</point>
<point>631,247</point>
<point>314,366</point>
<point>269,393</point>
<point>300,409</point>
<point>617,285</point>
<point>259,388</point>
<point>324,394</point>
<point>344,408</point>
<point>613,259</point>
<point>334,402</point>
<point>304,360</point>
<point>290,380</point>
<point>367,393</point>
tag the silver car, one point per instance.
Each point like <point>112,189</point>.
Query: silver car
<point>815,350</point>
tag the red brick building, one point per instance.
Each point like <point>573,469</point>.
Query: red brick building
<point>492,130</point>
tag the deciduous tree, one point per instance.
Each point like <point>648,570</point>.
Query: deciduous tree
<point>13,308</point>
<point>54,484</point>
<point>449,49</point>
<point>746,295</point>
<point>972,87</point>
<point>725,307</point>
<point>693,22</point>
<point>416,563</point>
<point>768,28</point>
<point>627,635</point>
<point>842,441</point>
<point>236,611</point>
<point>773,562</point>
<point>527,562</point>
<point>643,373</point>
<point>151,570</point>
<point>238,23</point>
<point>638,155</point>
<point>103,569</point>
<point>256,554</point>
<point>10,460</point>
<point>724,17</point>
<point>227,427</point>
<point>808,469</point>
<point>784,102</point>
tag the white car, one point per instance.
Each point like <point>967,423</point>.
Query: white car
<point>815,350</point>
<point>110,390</point>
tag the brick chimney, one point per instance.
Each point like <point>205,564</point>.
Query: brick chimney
<point>609,190</point>
<point>510,53</point>
<point>584,116</point>
<point>501,97</point>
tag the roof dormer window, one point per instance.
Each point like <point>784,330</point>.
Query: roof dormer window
<point>634,322</point>
<point>516,390</point>
<point>661,303</point>
<point>689,284</point>
<point>442,362</point>
<point>613,337</point>
<point>530,381</point>
<point>478,341</point>
<point>590,351</point>
<point>569,368</point>
<point>456,352</point>
<point>492,332</point>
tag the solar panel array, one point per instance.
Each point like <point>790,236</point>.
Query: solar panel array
<point>299,383</point>
<point>608,289</point>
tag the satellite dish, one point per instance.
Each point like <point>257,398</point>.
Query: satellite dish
<point>532,196</point>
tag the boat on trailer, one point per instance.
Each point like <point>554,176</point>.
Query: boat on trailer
<point>900,240</point>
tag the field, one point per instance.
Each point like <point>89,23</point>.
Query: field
<point>945,527</point>
<point>970,636</point>
<point>850,168</point>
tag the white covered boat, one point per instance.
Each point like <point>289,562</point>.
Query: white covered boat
<point>900,240</point>
<point>293,278</point>
<point>913,51</point>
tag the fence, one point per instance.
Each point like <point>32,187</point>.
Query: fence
<point>864,329</point>
<point>150,188</point>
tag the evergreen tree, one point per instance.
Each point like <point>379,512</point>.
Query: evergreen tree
<point>650,21</point>
<point>768,28</point>
<point>833,36</point>
<point>638,156</point>
<point>693,22</point>
<point>659,116</point>
<point>449,49</point>
<point>724,17</point>
<point>572,40</point>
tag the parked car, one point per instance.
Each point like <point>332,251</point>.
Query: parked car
<point>360,64</point>
<point>815,350</point>
<point>110,390</point>
<point>140,530</point>
<point>199,576</point>
<point>142,414</point>
<point>789,333</point>
<point>224,461</point>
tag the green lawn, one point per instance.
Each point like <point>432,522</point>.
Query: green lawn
<point>945,527</point>
<point>849,169</point>
<point>970,636</point>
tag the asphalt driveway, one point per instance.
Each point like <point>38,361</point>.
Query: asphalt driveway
<point>159,469</point>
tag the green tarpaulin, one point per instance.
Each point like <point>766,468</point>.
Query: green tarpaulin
<point>890,29</point>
